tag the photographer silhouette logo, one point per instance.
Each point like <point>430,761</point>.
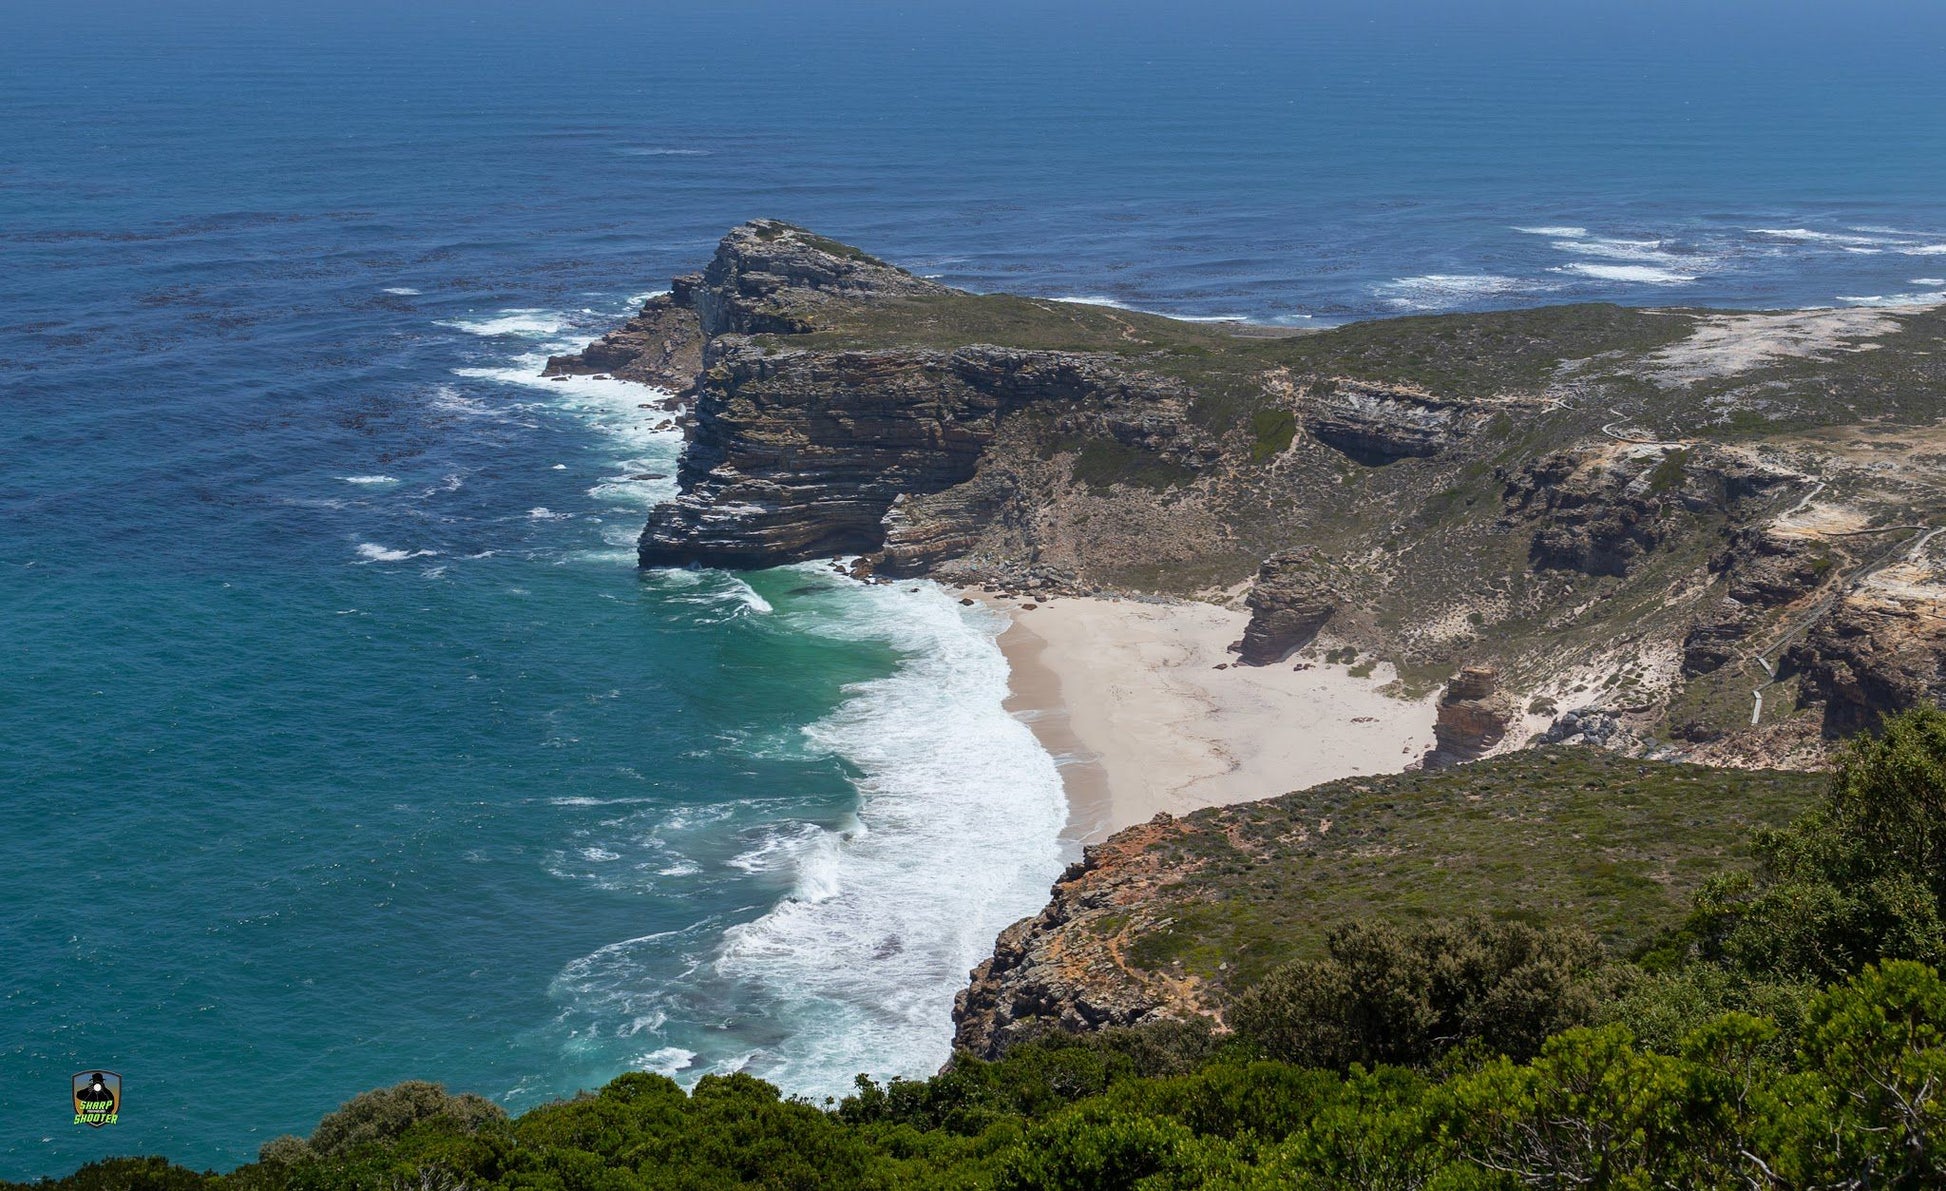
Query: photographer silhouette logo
<point>97,1098</point>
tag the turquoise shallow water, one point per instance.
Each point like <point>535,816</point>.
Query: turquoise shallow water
<point>342,742</point>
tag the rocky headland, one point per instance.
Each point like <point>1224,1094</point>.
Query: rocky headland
<point>1671,535</point>
<point>1656,514</point>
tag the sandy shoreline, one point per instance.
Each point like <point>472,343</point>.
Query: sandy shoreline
<point>1127,697</point>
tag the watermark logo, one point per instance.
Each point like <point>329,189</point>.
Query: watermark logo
<point>97,1098</point>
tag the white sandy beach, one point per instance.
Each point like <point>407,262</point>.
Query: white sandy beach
<point>1127,697</point>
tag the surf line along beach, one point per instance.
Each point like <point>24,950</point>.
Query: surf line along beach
<point>1145,710</point>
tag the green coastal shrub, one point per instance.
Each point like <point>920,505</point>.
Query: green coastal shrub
<point>1856,880</point>
<point>1406,997</point>
<point>383,1115</point>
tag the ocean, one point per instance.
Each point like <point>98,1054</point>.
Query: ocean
<point>343,742</point>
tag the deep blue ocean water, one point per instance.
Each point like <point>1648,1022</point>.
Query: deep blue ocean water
<point>340,741</point>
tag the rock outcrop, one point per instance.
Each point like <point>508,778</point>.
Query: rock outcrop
<point>1586,725</point>
<point>1600,511</point>
<point>1765,569</point>
<point>1873,655</point>
<point>769,277</point>
<point>766,277</point>
<point>1472,717</point>
<point>1377,425</point>
<point>1066,968</point>
<point>662,346</point>
<point>839,405</point>
<point>1289,602</point>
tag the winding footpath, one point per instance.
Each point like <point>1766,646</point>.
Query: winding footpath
<point>1912,547</point>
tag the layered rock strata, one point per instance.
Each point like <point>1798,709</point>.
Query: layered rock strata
<point>1463,474</point>
<point>661,346</point>
<point>1876,653</point>
<point>1289,602</point>
<point>804,454</point>
<point>1067,968</point>
<point>1376,425</point>
<point>1602,510</point>
<point>1472,717</point>
<point>1764,570</point>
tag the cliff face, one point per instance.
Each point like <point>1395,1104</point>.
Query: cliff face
<point>661,346</point>
<point>1601,510</point>
<point>1473,717</point>
<point>1880,650</point>
<point>1376,425</point>
<point>770,277</point>
<point>801,454</point>
<point>1068,967</point>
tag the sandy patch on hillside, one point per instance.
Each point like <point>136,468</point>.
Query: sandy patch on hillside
<point>1726,344</point>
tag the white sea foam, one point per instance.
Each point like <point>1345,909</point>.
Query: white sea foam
<point>1927,281</point>
<point>1612,248</point>
<point>373,552</point>
<point>1559,233</point>
<point>1093,300</point>
<point>659,152</point>
<point>1642,274</point>
<point>369,479</point>
<point>404,291</point>
<point>628,414</point>
<point>1805,235</point>
<point>955,837</point>
<point>1922,298</point>
<point>669,1060</point>
<point>1442,291</point>
<point>751,598</point>
<point>1866,241</point>
<point>525,322</point>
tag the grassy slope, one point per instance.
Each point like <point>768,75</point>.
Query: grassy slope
<point>1461,356</point>
<point>1565,835</point>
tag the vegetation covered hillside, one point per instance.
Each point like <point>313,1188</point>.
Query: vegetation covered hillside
<point>1170,919</point>
<point>1789,1032</point>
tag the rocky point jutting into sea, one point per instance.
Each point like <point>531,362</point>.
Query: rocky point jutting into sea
<point>1671,534</point>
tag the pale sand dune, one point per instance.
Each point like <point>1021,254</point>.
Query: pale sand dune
<point>1127,697</point>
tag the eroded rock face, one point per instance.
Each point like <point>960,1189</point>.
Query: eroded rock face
<point>1766,569</point>
<point>662,346</point>
<point>802,454</point>
<point>1472,717</point>
<point>1593,517</point>
<point>1066,969</point>
<point>1717,640</point>
<point>1873,655</point>
<point>1600,511</point>
<point>766,276</point>
<point>799,455</point>
<point>1289,602</point>
<point>771,277</point>
<point>1377,425</point>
